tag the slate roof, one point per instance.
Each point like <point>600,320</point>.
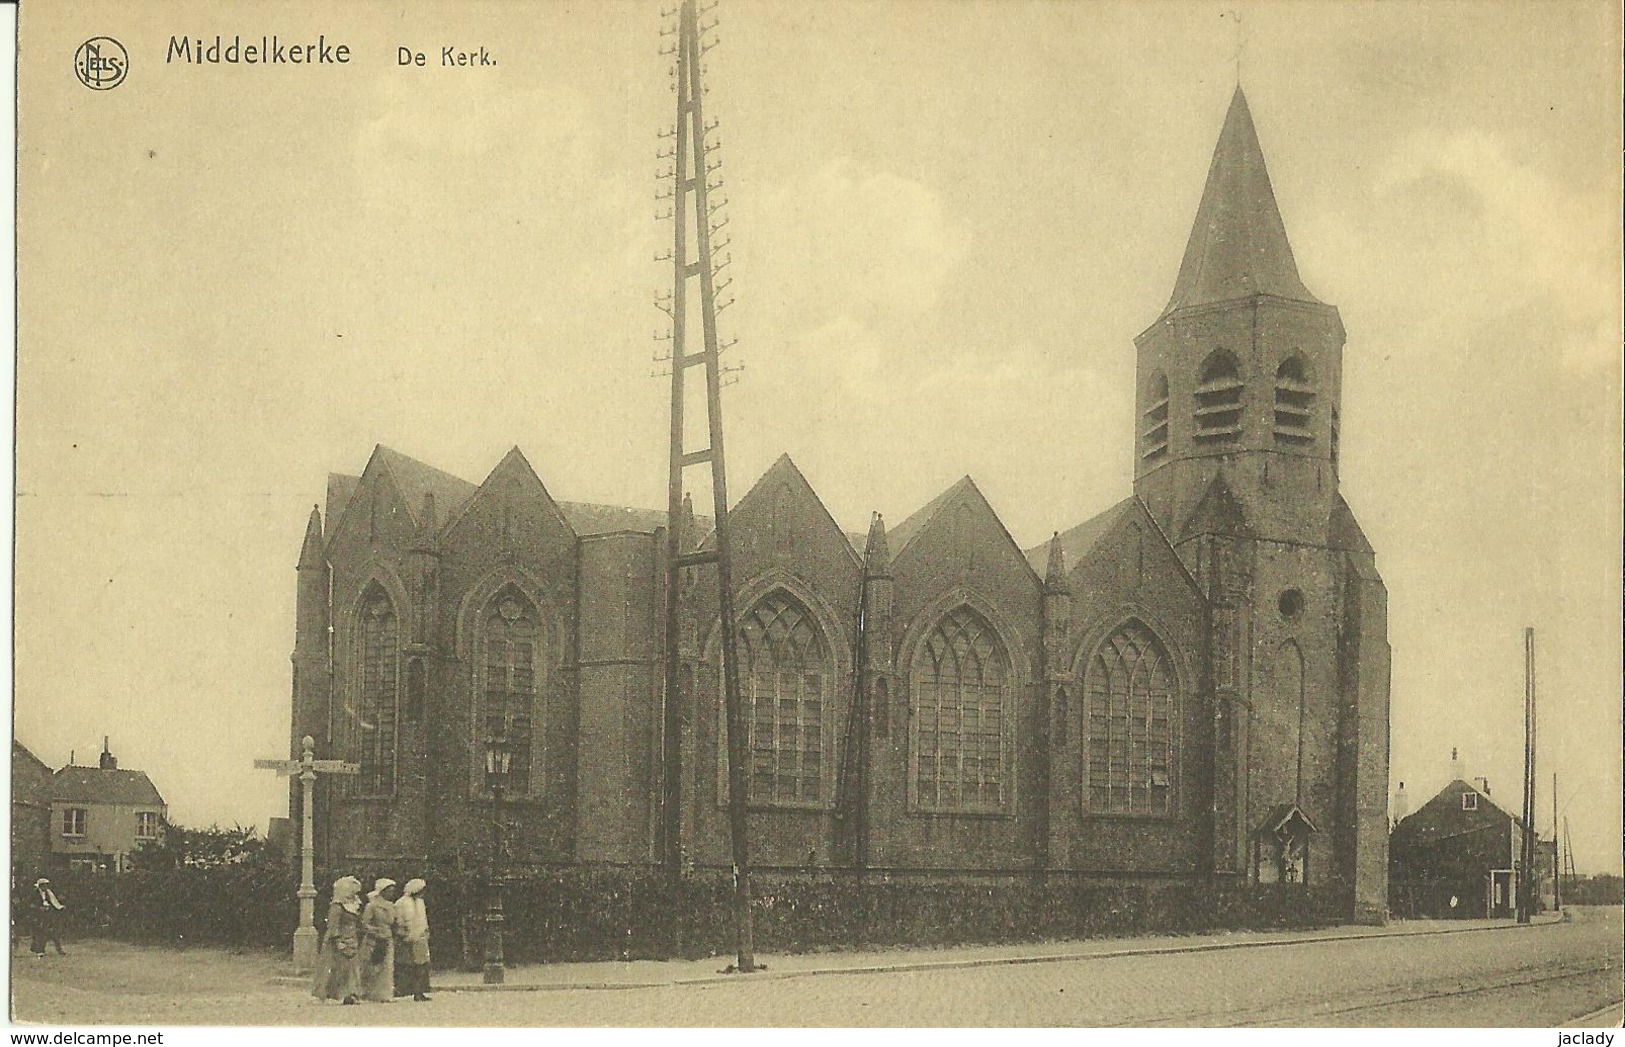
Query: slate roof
<point>1079,541</point>
<point>1238,245</point>
<point>451,494</point>
<point>1346,532</point>
<point>340,489</point>
<point>92,785</point>
<point>591,518</point>
<point>414,479</point>
<point>1445,806</point>
<point>19,751</point>
<point>903,533</point>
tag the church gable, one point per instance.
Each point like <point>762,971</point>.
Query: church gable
<point>782,523</point>
<point>375,518</point>
<point>958,536</point>
<point>956,550</point>
<point>1128,564</point>
<point>510,517</point>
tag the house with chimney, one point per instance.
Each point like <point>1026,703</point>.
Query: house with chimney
<point>101,815</point>
<point>1460,855</point>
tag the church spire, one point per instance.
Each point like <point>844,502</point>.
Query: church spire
<point>1238,246</point>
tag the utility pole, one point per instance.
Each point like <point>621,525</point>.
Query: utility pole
<point>695,216</point>
<point>1557,870</point>
<point>1568,854</point>
<point>1526,871</point>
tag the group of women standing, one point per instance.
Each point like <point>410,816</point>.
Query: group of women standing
<point>376,950</point>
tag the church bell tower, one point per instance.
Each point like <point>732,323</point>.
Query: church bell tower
<point>1236,457</point>
<point>1241,374</point>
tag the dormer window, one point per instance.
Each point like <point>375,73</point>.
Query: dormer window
<point>1218,400</point>
<point>1294,399</point>
<point>1154,428</point>
<point>1469,801</point>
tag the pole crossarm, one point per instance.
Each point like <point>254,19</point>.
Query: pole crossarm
<point>306,769</point>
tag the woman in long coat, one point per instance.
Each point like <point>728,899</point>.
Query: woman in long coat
<point>336,967</point>
<point>378,943</point>
<point>412,934</point>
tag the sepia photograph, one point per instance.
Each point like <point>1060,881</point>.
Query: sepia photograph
<point>861,514</point>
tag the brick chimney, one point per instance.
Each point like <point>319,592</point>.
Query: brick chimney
<point>109,761</point>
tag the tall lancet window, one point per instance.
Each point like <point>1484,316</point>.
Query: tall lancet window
<point>1132,707</point>
<point>1154,426</point>
<point>1218,399</point>
<point>962,689</point>
<point>379,646</point>
<point>511,635</point>
<point>785,676</point>
<point>1294,401</point>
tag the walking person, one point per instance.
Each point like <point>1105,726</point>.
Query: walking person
<point>48,911</point>
<point>336,967</point>
<point>378,943</point>
<point>412,942</point>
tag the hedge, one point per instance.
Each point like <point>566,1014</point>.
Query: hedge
<point>577,914</point>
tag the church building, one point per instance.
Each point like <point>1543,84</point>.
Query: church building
<point>1190,686</point>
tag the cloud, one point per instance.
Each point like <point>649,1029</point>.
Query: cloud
<point>1502,235</point>
<point>847,239</point>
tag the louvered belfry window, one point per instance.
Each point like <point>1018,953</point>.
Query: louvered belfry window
<point>379,678</point>
<point>1294,403</point>
<point>1154,424</point>
<point>1132,705</point>
<point>784,674</point>
<point>1219,391</point>
<point>961,691</point>
<point>512,641</point>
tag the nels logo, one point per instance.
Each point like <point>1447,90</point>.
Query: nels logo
<point>100,63</point>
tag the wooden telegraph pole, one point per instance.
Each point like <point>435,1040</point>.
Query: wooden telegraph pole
<point>1557,870</point>
<point>695,215</point>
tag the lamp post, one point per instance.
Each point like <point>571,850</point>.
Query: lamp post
<point>497,757</point>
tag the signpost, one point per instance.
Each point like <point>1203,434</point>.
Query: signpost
<point>305,769</point>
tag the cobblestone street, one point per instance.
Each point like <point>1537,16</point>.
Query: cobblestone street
<point>1543,975</point>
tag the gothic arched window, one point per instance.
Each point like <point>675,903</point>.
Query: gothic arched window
<point>1218,399</point>
<point>1294,399</point>
<point>1130,720</point>
<point>961,684</point>
<point>510,670</point>
<point>1154,427</point>
<point>785,680</point>
<point>378,632</point>
<point>1289,695</point>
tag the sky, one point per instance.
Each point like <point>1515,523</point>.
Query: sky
<point>949,221</point>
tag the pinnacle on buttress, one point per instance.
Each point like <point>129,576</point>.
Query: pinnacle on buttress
<point>1055,568</point>
<point>876,555</point>
<point>310,554</point>
<point>1238,246</point>
<point>427,524</point>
